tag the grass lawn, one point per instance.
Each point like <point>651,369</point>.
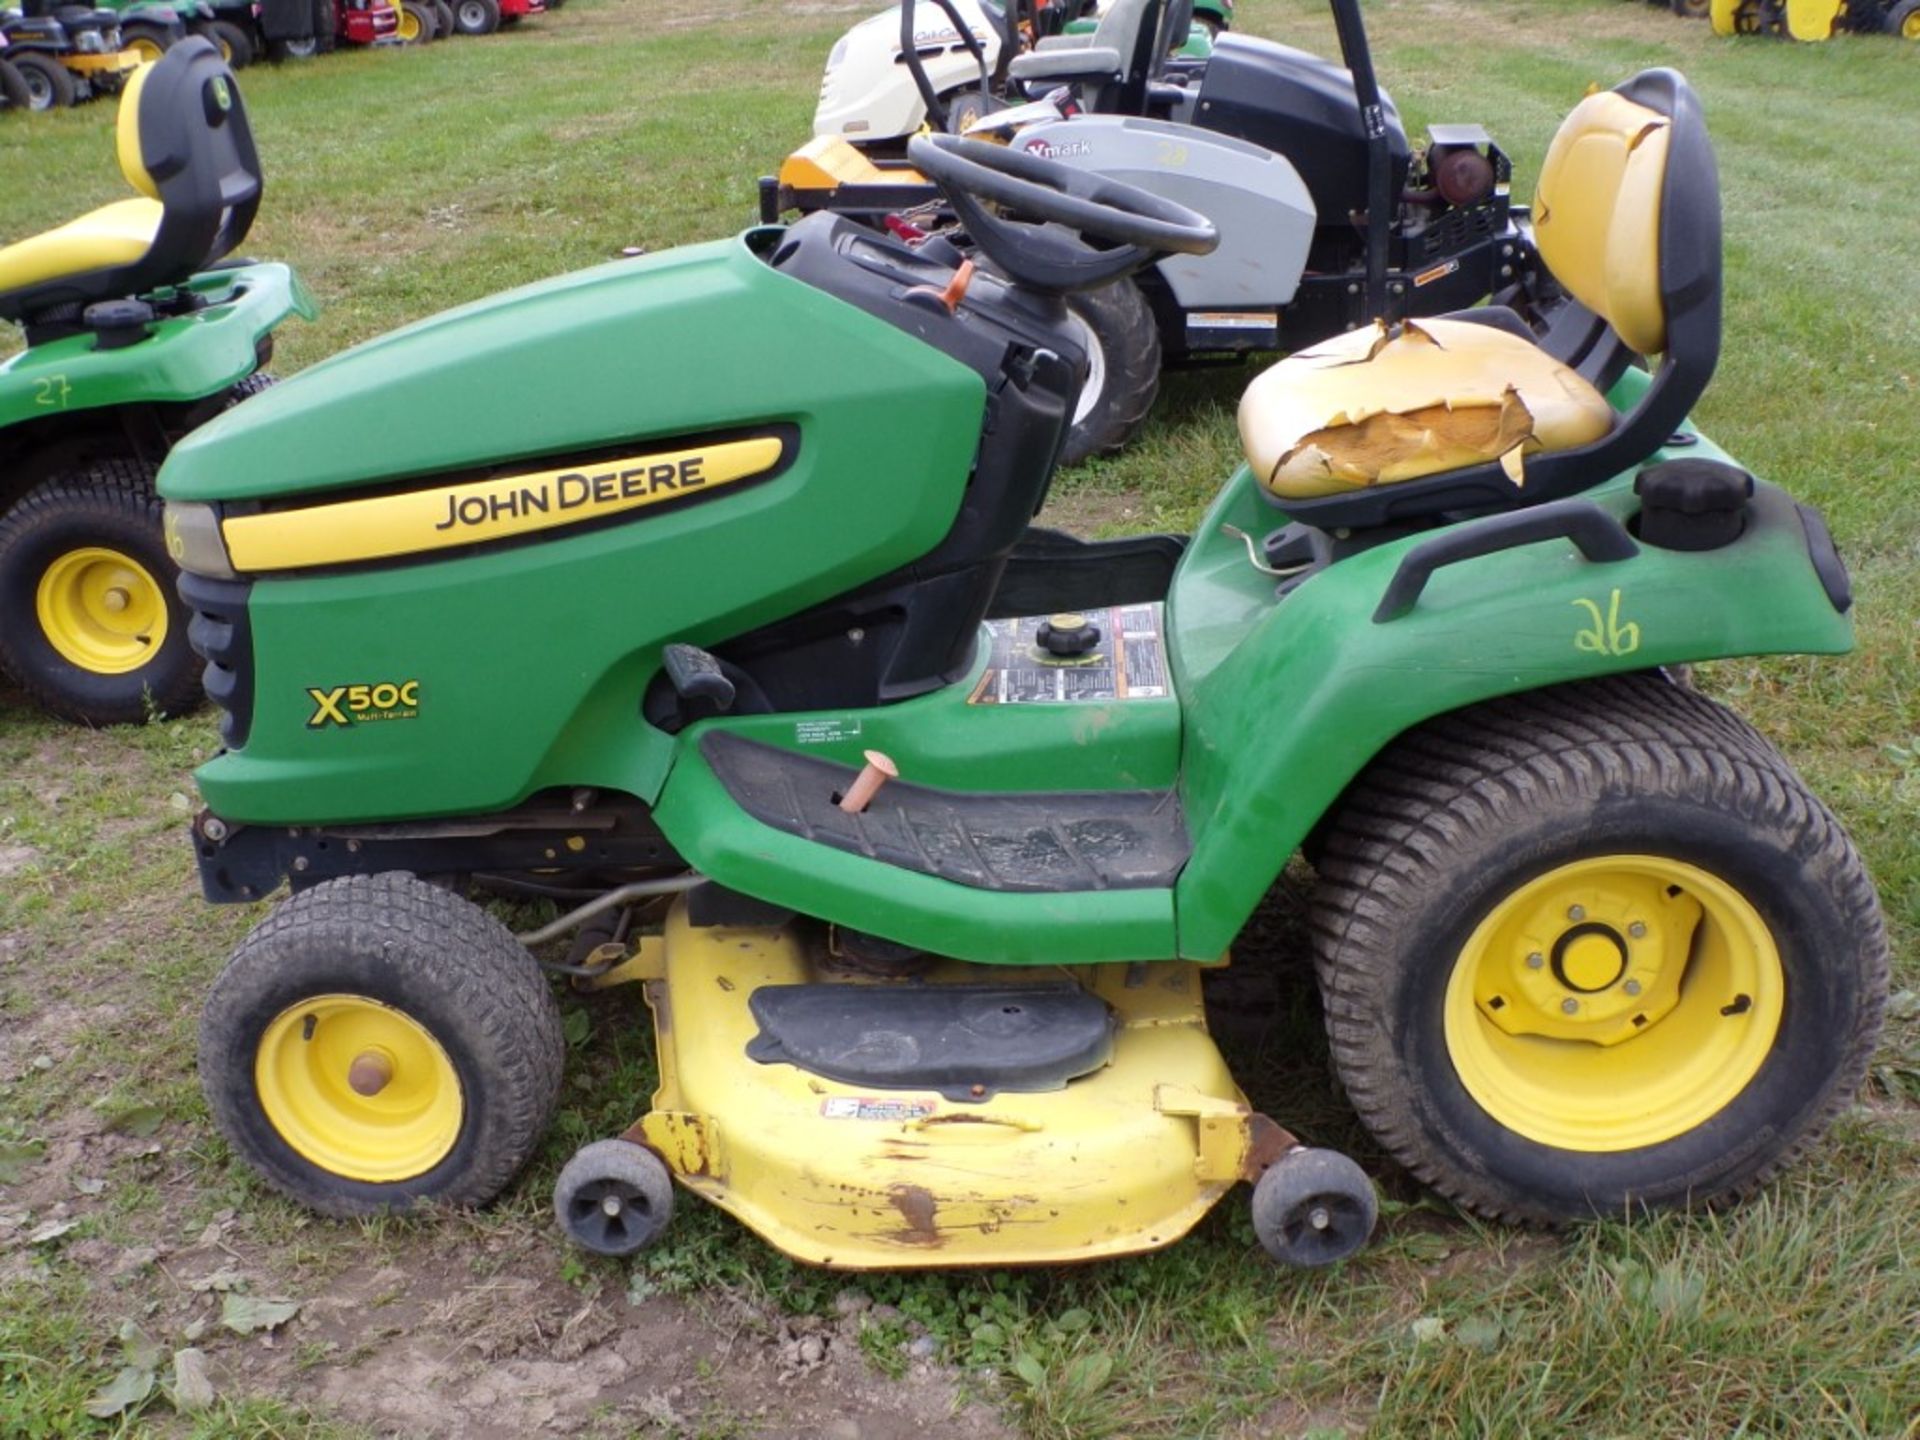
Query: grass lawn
<point>402,183</point>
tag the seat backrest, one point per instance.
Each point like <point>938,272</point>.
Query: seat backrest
<point>1627,218</point>
<point>185,141</point>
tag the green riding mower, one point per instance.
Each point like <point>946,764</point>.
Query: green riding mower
<point>136,331</point>
<point>922,829</point>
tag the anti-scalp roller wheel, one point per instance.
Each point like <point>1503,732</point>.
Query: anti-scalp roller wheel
<point>1313,1208</point>
<point>613,1197</point>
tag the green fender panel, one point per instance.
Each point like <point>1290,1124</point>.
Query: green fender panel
<point>188,357</point>
<point>1285,704</point>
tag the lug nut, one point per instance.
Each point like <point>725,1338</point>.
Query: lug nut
<point>1637,930</point>
<point>1570,1006</point>
<point>1632,987</point>
<point>1536,960</point>
<point>1576,912</point>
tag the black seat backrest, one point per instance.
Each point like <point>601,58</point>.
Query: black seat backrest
<point>183,140</point>
<point>1627,217</point>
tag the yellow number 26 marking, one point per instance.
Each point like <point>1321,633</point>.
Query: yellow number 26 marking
<point>1607,634</point>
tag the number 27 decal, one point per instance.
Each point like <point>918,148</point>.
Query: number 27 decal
<point>52,391</point>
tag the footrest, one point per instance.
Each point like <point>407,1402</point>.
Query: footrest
<point>1058,841</point>
<point>965,1041</point>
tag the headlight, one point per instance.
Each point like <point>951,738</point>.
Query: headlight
<point>89,42</point>
<point>194,540</point>
<point>838,53</point>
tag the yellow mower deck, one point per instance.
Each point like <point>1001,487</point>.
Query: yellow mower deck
<point>1123,1160</point>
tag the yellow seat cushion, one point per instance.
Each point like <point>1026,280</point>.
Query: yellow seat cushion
<point>116,234</point>
<point>1375,406</point>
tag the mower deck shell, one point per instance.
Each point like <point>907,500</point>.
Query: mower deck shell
<point>1120,1161</point>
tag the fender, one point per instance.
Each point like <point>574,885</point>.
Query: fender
<point>188,357</point>
<point>1285,704</point>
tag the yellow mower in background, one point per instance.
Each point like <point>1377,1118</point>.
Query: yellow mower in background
<point>1816,19</point>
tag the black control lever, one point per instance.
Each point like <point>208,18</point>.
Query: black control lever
<point>696,675</point>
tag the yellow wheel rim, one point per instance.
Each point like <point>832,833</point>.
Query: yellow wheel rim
<point>102,610</point>
<point>409,28</point>
<point>1910,27</point>
<point>148,50</point>
<point>359,1088</point>
<point>1614,1003</point>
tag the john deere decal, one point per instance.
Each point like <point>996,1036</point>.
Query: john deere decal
<point>493,509</point>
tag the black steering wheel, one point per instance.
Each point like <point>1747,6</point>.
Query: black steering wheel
<point>1139,227</point>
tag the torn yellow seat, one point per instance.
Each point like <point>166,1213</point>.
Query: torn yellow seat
<point>1374,406</point>
<point>116,234</point>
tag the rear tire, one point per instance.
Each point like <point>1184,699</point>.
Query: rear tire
<point>91,626</point>
<point>235,47</point>
<point>476,17</point>
<point>13,89</point>
<point>49,84</point>
<point>443,10</point>
<point>1676,824</point>
<point>419,23</point>
<point>384,964</point>
<point>1123,369</point>
<point>1903,20</point>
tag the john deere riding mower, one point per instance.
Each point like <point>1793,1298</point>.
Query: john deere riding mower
<point>64,54</point>
<point>136,331</point>
<point>1329,219</point>
<point>921,829</point>
<point>1816,19</point>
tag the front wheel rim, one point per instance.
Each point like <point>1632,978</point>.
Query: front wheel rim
<point>1096,373</point>
<point>147,49</point>
<point>359,1088</point>
<point>409,26</point>
<point>39,90</point>
<point>101,610</point>
<point>1614,1003</point>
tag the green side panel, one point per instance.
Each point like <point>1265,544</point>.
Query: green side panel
<point>531,659</point>
<point>700,338</point>
<point>188,357</point>
<point>1285,703</point>
<point>940,740</point>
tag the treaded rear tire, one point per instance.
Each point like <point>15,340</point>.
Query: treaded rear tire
<point>438,958</point>
<point>56,80</point>
<point>1128,376</point>
<point>110,502</point>
<point>13,90</point>
<point>1463,809</point>
<point>235,43</point>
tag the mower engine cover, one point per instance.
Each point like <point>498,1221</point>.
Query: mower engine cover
<point>867,95</point>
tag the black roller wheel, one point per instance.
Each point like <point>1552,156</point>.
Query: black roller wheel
<point>1313,1207</point>
<point>13,89</point>
<point>1594,949</point>
<point>613,1197</point>
<point>49,83</point>
<point>378,1041</point>
<point>476,17</point>
<point>90,624</point>
<point>236,47</point>
<point>1123,369</point>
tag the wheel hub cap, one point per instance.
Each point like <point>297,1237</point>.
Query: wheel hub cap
<point>101,610</point>
<point>359,1088</point>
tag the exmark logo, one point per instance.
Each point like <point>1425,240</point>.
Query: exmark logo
<point>1067,149</point>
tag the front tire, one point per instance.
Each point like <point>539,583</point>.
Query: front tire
<point>149,42</point>
<point>378,1041</point>
<point>90,624</point>
<point>236,48</point>
<point>13,89</point>
<point>1123,369</point>
<point>1595,949</point>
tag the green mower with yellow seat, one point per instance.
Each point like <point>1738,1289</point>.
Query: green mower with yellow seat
<point>922,828</point>
<point>137,329</point>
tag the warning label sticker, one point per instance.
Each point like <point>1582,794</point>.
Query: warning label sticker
<point>866,1107</point>
<point>1125,659</point>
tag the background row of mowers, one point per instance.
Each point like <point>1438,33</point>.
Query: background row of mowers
<point>55,53</point>
<point>1804,19</point>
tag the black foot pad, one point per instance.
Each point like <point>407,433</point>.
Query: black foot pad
<point>1053,841</point>
<point>965,1041</point>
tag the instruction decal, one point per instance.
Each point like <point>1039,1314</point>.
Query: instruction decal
<point>1129,661</point>
<point>869,1107</point>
